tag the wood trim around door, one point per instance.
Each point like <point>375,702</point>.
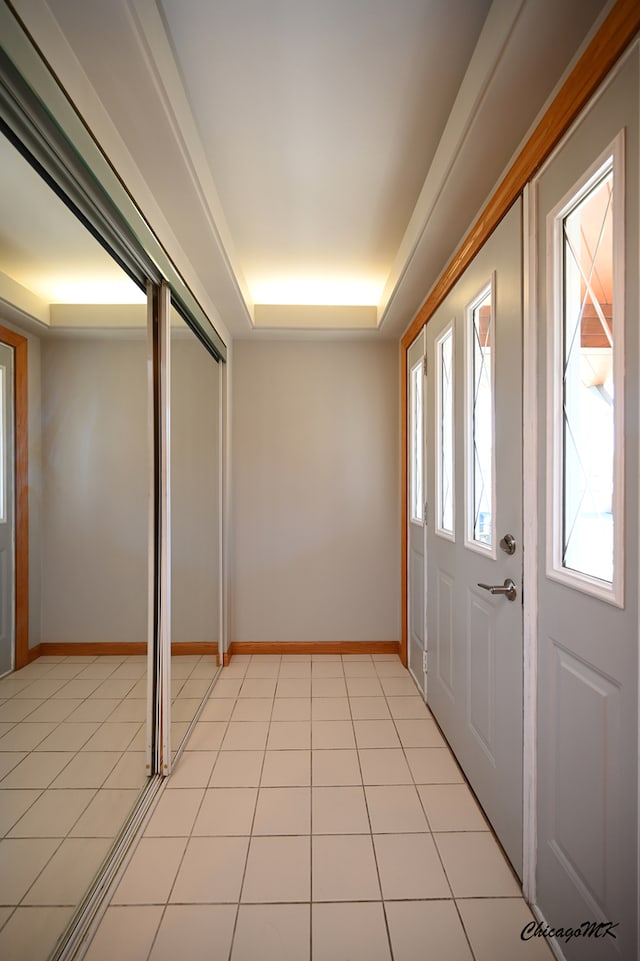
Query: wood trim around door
<point>21,414</point>
<point>404,480</point>
<point>616,33</point>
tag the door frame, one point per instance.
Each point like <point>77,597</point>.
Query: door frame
<point>615,34</point>
<point>21,456</point>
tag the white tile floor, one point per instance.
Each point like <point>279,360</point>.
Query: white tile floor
<point>316,815</point>
<point>72,764</point>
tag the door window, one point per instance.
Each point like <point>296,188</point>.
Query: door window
<point>586,375</point>
<point>416,481</point>
<point>480,470</point>
<point>445,434</point>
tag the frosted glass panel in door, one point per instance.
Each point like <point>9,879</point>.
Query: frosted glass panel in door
<point>195,533</point>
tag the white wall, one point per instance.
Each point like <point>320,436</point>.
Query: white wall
<point>315,531</point>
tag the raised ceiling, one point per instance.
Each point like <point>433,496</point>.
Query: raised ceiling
<point>310,164</point>
<point>319,121</point>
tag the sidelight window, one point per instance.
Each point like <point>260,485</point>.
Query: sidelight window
<point>587,373</point>
<point>480,420</point>
<point>445,433</point>
<point>417,434</point>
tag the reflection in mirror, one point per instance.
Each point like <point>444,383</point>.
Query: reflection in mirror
<point>195,533</point>
<point>72,715</point>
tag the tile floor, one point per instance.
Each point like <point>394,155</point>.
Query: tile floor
<point>316,815</point>
<point>72,764</point>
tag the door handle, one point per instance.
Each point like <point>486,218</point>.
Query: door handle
<point>508,589</point>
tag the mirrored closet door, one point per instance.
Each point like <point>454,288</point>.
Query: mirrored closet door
<point>194,498</point>
<point>73,698</point>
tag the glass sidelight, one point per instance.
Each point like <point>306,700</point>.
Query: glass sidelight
<point>445,433</point>
<point>480,343</point>
<point>588,394</point>
<point>416,479</point>
<point>586,377</point>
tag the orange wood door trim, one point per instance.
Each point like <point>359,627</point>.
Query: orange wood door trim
<point>404,475</point>
<point>21,480</point>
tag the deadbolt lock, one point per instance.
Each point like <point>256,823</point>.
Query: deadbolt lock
<point>508,544</point>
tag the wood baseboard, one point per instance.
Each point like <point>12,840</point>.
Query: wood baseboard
<point>311,647</point>
<point>95,649</point>
<point>180,648</point>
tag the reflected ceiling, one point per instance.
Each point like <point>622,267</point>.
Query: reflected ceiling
<point>48,260</point>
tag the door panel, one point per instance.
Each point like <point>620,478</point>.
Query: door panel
<point>588,625</point>
<point>416,533</point>
<point>444,633</point>
<point>474,637</point>
<point>7,535</point>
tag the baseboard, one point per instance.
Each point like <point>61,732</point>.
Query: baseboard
<point>95,649</point>
<point>33,653</point>
<point>181,648</point>
<point>311,647</point>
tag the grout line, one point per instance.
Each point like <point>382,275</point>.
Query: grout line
<point>312,751</point>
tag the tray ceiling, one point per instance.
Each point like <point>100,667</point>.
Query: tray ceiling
<point>310,165</point>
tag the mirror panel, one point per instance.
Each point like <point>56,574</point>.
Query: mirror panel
<point>73,719</point>
<point>195,528</point>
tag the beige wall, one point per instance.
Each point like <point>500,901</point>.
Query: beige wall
<point>315,553</point>
<point>94,489</point>
<point>195,486</point>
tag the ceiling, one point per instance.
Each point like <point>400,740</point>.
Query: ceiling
<point>310,164</point>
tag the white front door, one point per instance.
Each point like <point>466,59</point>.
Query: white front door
<point>416,594</point>
<point>7,549</point>
<point>474,526</point>
<point>586,211</point>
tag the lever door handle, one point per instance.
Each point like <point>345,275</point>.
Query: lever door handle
<point>508,589</point>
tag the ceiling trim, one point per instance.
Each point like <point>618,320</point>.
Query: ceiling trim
<point>314,317</point>
<point>609,43</point>
<point>492,43</point>
<point>150,32</point>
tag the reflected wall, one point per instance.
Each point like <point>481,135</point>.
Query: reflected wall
<point>95,463</point>
<point>195,525</point>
